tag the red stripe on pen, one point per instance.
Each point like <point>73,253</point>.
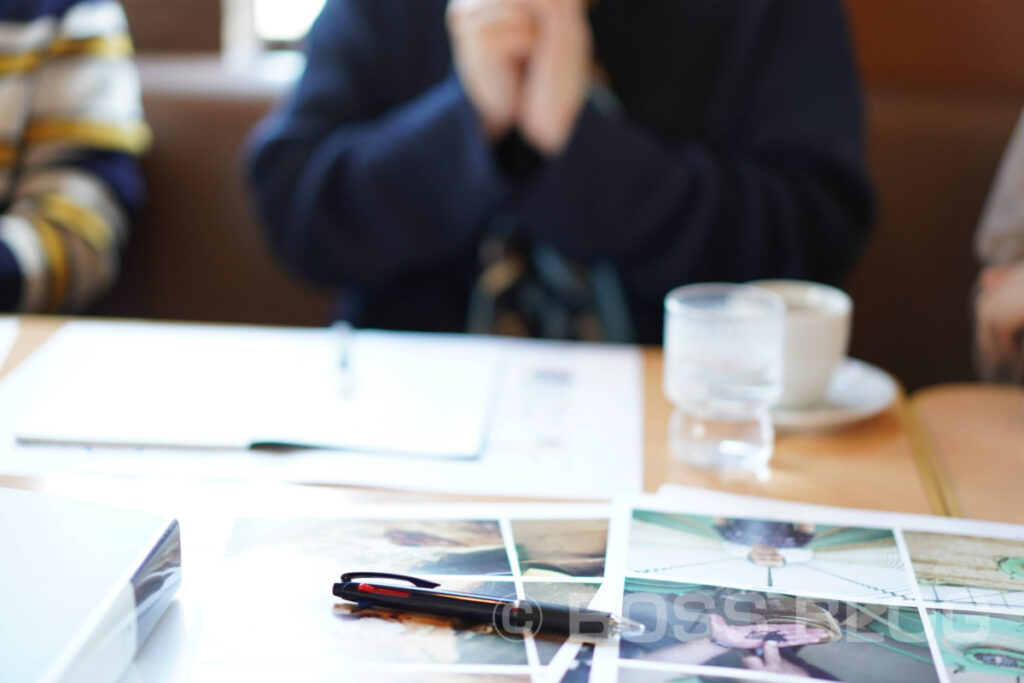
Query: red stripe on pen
<point>380,590</point>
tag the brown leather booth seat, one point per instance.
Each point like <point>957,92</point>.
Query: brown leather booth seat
<point>945,85</point>
<point>197,253</point>
<point>932,157</point>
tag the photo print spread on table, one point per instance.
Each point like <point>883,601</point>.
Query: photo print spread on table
<point>734,587</point>
<point>570,547</point>
<point>630,674</point>
<point>464,547</point>
<point>968,570</point>
<point>702,628</point>
<point>577,595</point>
<point>855,563</point>
<point>217,673</point>
<point>273,602</point>
<point>978,647</point>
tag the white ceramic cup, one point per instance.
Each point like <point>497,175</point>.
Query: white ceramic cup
<point>817,338</point>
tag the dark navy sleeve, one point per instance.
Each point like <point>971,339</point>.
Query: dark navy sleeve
<point>121,173</point>
<point>10,279</point>
<point>364,175</point>
<point>785,194</point>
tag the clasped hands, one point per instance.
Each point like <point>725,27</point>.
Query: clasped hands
<point>524,64</point>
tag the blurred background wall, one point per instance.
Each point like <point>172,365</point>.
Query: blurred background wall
<point>944,82</point>
<point>175,25</point>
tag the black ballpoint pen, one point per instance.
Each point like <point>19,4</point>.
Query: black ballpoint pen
<point>508,615</point>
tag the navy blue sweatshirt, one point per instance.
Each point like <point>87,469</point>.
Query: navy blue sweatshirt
<point>737,155</point>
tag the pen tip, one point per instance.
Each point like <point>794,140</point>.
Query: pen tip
<point>627,628</point>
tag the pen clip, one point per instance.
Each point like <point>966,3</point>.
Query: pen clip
<point>419,583</point>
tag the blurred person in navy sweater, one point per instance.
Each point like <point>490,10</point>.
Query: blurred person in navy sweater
<point>554,167</point>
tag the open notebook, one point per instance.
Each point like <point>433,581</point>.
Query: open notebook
<point>226,387</point>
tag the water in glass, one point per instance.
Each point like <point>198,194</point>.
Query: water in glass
<point>723,370</point>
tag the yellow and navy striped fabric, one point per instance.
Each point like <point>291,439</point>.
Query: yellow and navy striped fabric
<point>71,126</point>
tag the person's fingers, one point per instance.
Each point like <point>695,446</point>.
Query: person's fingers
<point>472,6</point>
<point>490,29</point>
<point>494,12</point>
<point>717,622</point>
<point>465,19</point>
<point>505,30</point>
<point>1001,314</point>
<point>999,320</point>
<point>557,7</point>
<point>987,353</point>
<point>516,43</point>
<point>502,19</point>
<point>752,662</point>
<point>771,653</point>
<point>554,15</point>
<point>993,275</point>
<point>503,33</point>
<point>540,8</point>
<point>1008,345</point>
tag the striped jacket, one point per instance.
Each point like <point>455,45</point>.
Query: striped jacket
<point>71,128</point>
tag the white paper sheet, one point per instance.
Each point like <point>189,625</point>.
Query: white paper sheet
<point>566,422</point>
<point>8,333</point>
<point>188,386</point>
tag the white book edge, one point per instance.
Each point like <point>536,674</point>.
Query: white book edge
<point>106,645</point>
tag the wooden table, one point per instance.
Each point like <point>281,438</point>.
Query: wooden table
<point>868,465</point>
<point>975,435</point>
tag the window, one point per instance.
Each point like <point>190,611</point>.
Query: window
<point>284,21</point>
<point>252,28</point>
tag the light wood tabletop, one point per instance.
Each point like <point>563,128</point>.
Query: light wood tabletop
<point>975,433</point>
<point>871,464</point>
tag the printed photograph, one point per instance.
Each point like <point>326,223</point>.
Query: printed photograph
<point>978,647</point>
<point>970,570</point>
<point>379,635</point>
<point>636,675</point>
<point>447,677</point>
<point>274,601</point>
<point>857,563</point>
<point>275,607</point>
<point>580,668</point>
<point>315,673</point>
<point>421,546</point>
<point>577,595</point>
<point>554,548</point>
<point>771,632</point>
<point>277,619</point>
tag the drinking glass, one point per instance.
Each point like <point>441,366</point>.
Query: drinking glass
<point>723,371</point>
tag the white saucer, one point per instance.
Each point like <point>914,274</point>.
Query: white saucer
<point>858,390</point>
